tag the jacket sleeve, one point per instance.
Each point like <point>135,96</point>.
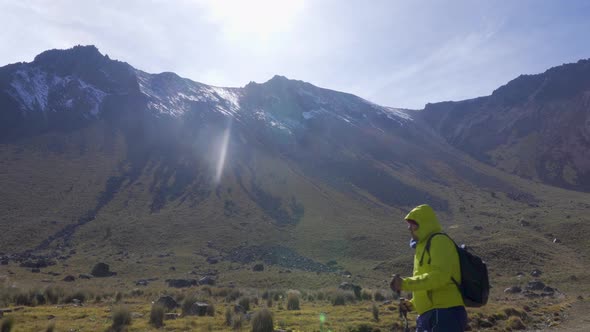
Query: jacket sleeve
<point>442,251</point>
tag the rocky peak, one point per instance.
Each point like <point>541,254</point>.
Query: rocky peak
<point>557,83</point>
<point>65,60</point>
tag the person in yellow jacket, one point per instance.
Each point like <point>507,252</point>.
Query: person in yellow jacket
<point>436,297</point>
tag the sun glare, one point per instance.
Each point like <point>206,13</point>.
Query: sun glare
<point>260,19</point>
<point>222,154</point>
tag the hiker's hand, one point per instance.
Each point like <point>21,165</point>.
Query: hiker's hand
<point>396,283</point>
<point>405,306</point>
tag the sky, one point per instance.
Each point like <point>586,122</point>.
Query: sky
<point>394,53</point>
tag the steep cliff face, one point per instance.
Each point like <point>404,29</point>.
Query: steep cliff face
<point>536,126</point>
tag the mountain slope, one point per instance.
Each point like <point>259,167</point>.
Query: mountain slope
<point>536,126</point>
<point>142,165</point>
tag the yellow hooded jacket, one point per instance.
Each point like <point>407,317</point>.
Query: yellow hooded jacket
<point>431,284</point>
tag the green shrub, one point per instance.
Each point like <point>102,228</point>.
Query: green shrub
<point>22,298</point>
<point>233,295</point>
<point>118,297</point>
<point>237,321</point>
<point>339,299</point>
<point>7,324</point>
<point>375,311</point>
<point>377,296</point>
<point>515,323</point>
<point>210,310</point>
<point>157,316</point>
<point>228,316</point>
<point>179,297</point>
<point>321,296</point>
<point>262,321</point>
<point>350,296</point>
<point>37,297</point>
<point>245,303</point>
<point>221,292</point>
<point>266,295</point>
<point>277,296</point>
<point>292,301</point>
<point>53,294</point>
<point>187,304</point>
<point>366,295</point>
<point>121,319</point>
<point>207,290</point>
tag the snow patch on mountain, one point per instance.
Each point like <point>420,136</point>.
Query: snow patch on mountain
<point>31,88</point>
<point>39,91</point>
<point>312,114</point>
<point>397,112</point>
<point>269,119</point>
<point>173,95</point>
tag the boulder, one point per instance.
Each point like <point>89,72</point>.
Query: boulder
<point>38,264</point>
<point>258,268</point>
<point>102,270</point>
<point>485,323</point>
<point>171,315</point>
<point>69,278</point>
<point>536,273</point>
<point>167,302</point>
<point>198,309</point>
<point>530,295</point>
<point>556,240</point>
<point>513,290</point>
<point>35,270</point>
<point>181,283</point>
<point>212,260</point>
<point>141,282</point>
<point>349,286</point>
<point>207,280</point>
<point>535,285</point>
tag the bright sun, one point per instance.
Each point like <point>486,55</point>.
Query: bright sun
<point>253,19</point>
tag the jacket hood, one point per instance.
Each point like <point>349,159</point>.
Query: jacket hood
<point>426,219</point>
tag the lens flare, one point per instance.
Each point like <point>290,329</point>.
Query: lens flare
<point>222,154</point>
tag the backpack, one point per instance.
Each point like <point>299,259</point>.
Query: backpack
<point>475,285</point>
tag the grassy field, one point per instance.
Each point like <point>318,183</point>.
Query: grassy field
<point>319,310</point>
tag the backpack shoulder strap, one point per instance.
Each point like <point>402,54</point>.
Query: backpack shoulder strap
<point>427,249</point>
